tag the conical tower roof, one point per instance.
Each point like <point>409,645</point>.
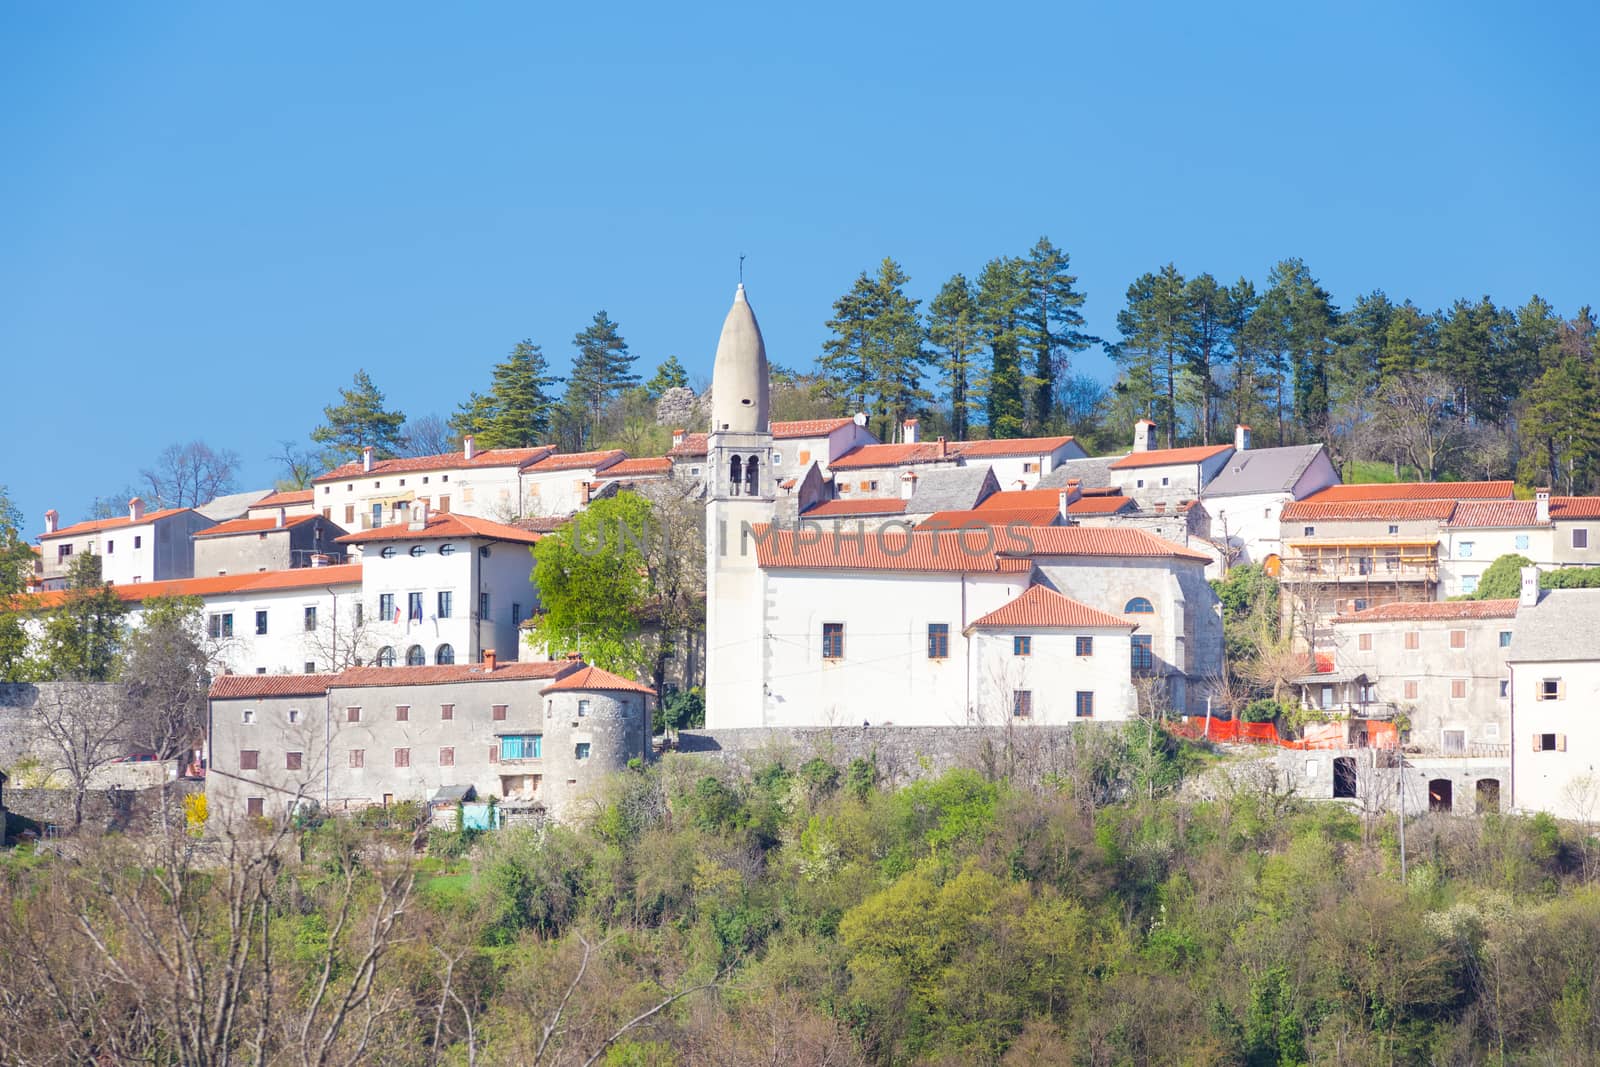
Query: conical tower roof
<point>739,380</point>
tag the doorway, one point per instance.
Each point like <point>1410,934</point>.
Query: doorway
<point>1344,777</point>
<point>1488,795</point>
<point>1440,794</point>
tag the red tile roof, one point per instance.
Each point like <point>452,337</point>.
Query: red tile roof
<point>1009,446</point>
<point>1487,513</point>
<point>1041,606</point>
<point>638,468</point>
<point>1355,510</point>
<point>1012,499</point>
<point>234,686</point>
<point>1105,541</point>
<point>1100,505</point>
<point>929,452</point>
<point>255,686</point>
<point>694,444</point>
<point>997,517</point>
<point>1434,610</point>
<point>1166,457</point>
<point>489,457</point>
<point>1575,507</point>
<point>595,678</point>
<point>285,499</point>
<point>217,585</point>
<point>244,526</point>
<point>572,461</point>
<point>808,427</point>
<point>837,508</point>
<point>78,529</point>
<point>449,524</point>
<point>1411,491</point>
<point>990,549</point>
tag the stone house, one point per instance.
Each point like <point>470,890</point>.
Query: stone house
<point>276,542</point>
<point>1555,688</point>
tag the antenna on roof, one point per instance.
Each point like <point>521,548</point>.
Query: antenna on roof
<point>741,268</point>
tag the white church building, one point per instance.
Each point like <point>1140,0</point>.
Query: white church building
<point>843,623</point>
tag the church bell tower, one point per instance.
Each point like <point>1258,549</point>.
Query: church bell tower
<point>740,492</point>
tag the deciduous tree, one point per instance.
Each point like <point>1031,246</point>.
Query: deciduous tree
<point>188,475</point>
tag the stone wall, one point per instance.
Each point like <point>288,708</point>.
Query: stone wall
<point>133,811</point>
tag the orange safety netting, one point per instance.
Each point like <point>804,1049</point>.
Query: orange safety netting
<point>1316,735</point>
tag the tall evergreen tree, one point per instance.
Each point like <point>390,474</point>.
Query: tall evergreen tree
<point>1474,353</point>
<point>519,401</point>
<point>1154,329</point>
<point>1358,349</point>
<point>1244,393</point>
<point>1054,326</point>
<point>875,357</point>
<point>669,375</point>
<point>1535,338</point>
<point>1408,343</point>
<point>1205,322</point>
<point>1306,317</point>
<point>956,338</point>
<point>473,415</point>
<point>82,636</point>
<point>1560,427</point>
<point>602,369</point>
<point>1002,299</point>
<point>846,355</point>
<point>360,420</point>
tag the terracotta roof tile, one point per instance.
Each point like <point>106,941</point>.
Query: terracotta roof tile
<point>637,468</point>
<point>572,461</point>
<point>1106,541</point>
<point>1009,446</point>
<point>594,678</point>
<point>1348,510</point>
<point>1487,513</point>
<point>489,457</point>
<point>78,529</point>
<point>217,585</point>
<point>1430,610</point>
<point>1012,499</point>
<point>367,677</point>
<point>808,427</point>
<point>1100,505</point>
<point>244,526</point>
<point>694,445</point>
<point>1411,491</point>
<point>868,456</point>
<point>996,517</point>
<point>1575,507</point>
<point>449,524</point>
<point>992,549</point>
<point>1041,606</point>
<point>1165,457</point>
<point>837,508</point>
<point>285,499</point>
<point>255,686</point>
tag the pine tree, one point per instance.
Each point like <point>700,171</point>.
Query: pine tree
<point>954,333</point>
<point>1153,327</point>
<point>1306,318</point>
<point>874,359</point>
<point>1205,348</point>
<point>1473,352</point>
<point>1535,338</point>
<point>1054,325</point>
<point>1002,298</point>
<point>82,637</point>
<point>1560,427</point>
<point>519,402</point>
<point>472,415</point>
<point>1408,343</point>
<point>844,361</point>
<point>1244,392</point>
<point>359,421</point>
<point>1358,350</point>
<point>602,369</point>
<point>669,375</point>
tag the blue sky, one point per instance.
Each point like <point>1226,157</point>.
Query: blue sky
<point>214,213</point>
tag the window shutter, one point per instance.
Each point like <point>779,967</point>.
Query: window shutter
<point>1561,742</point>
<point>1536,740</point>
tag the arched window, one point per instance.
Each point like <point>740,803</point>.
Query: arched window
<point>734,471</point>
<point>752,477</point>
<point>415,657</point>
<point>385,657</point>
<point>1138,606</point>
<point>445,654</point>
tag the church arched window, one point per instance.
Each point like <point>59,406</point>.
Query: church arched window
<point>734,472</point>
<point>752,477</point>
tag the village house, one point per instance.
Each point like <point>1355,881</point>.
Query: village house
<point>274,542</point>
<point>142,546</point>
<point>291,502</point>
<point>534,736</point>
<point>1555,688</point>
<point>371,492</point>
<point>1165,476</point>
<point>1244,500</point>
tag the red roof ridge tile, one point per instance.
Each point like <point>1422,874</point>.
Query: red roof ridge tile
<point>1041,606</point>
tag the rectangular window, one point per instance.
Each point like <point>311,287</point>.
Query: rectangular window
<point>414,607</point>
<point>1085,646</point>
<point>1469,583</point>
<point>1549,742</point>
<point>494,753</point>
<point>138,540</point>
<point>938,640</point>
<point>292,760</point>
<point>1466,550</point>
<point>447,711</point>
<point>498,712</point>
<point>402,713</point>
<point>1458,639</point>
<point>522,746</point>
<point>483,605</point>
<point>444,504</point>
<point>1413,640</point>
<point>580,750</point>
<point>1580,538</point>
<point>386,606</point>
<point>1364,642</point>
<point>1022,703</point>
<point>1393,529</point>
<point>377,515</point>
<point>1410,690</point>
<point>1549,689</point>
<point>583,708</point>
<point>352,714</point>
<point>111,546</point>
<point>255,807</point>
<point>447,601</point>
<point>294,713</point>
<point>1027,468</point>
<point>1144,657</point>
<point>310,667</point>
<point>447,757</point>
<point>261,623</point>
<point>220,625</point>
<point>402,757</point>
<point>1309,531</point>
<point>1085,705</point>
<point>833,640</point>
<point>1505,638</point>
<point>1458,689</point>
<point>1505,688</point>
<point>249,759</point>
<point>311,618</point>
<point>1522,541</point>
<point>63,552</point>
<point>1455,742</point>
<point>516,613</point>
<point>247,716</point>
<point>349,514</point>
<point>1022,645</point>
<point>360,613</point>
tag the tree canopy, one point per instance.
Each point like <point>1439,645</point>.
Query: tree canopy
<point>359,420</point>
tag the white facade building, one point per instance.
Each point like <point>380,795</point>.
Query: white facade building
<point>1555,689</point>
<point>1244,501</point>
<point>381,492</point>
<point>143,546</point>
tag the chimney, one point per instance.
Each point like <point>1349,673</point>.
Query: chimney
<point>678,437</point>
<point>366,458</point>
<point>488,660</point>
<point>908,485</point>
<point>52,521</point>
<point>861,419</point>
<point>1144,435</point>
<point>468,448</point>
<point>419,516</point>
<point>1541,504</point>
<point>1074,489</point>
<point>908,431</point>
<point>944,448</point>
<point>135,509</point>
<point>1063,498</point>
<point>282,518</point>
<point>574,657</point>
<point>1241,438</point>
<point>1530,588</point>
